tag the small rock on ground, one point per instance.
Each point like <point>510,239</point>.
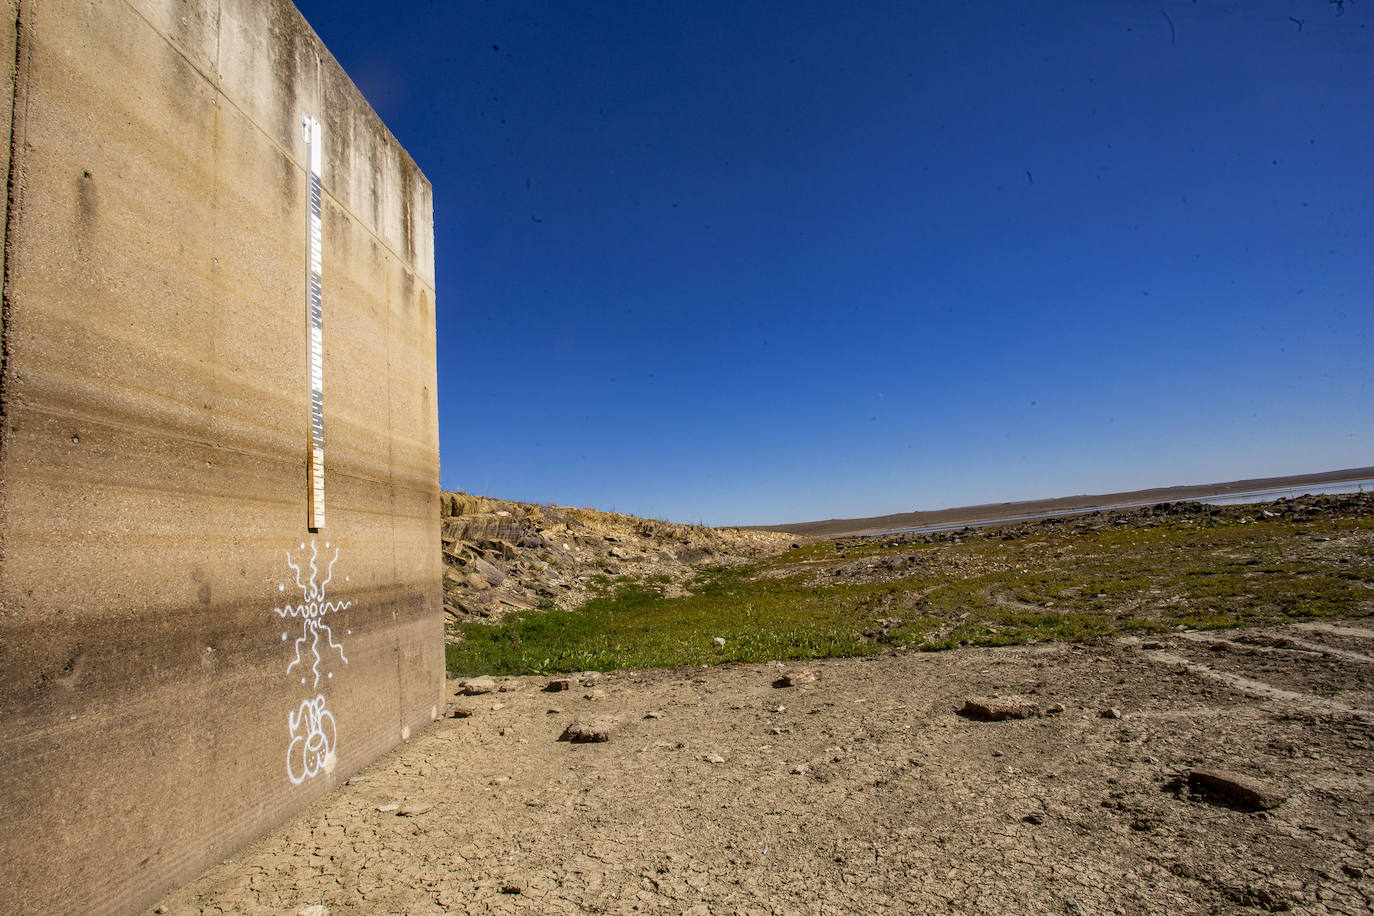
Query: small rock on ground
<point>1243,791</point>
<point>478,685</point>
<point>995,709</point>
<point>591,730</point>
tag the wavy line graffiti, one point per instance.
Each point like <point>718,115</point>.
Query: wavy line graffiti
<point>312,609</point>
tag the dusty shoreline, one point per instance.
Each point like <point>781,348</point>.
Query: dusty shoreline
<point>900,805</point>
<point>846,527</point>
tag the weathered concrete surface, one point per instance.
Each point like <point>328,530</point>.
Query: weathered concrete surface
<point>155,439</point>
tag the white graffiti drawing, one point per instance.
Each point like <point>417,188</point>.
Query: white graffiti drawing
<point>312,740</point>
<point>312,609</point>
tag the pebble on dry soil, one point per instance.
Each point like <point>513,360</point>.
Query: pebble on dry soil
<point>713,758</point>
<point>478,685</point>
<point>804,676</point>
<point>1243,791</point>
<point>459,712</point>
<point>995,709</point>
<point>585,731</point>
<point>559,683</point>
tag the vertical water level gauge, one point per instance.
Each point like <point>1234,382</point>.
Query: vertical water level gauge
<point>315,308</point>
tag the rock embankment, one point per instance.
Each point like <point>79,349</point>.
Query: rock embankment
<point>502,556</point>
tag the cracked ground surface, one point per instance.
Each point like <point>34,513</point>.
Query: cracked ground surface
<point>864,791</point>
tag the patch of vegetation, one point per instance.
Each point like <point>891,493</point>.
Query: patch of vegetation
<point>856,597</point>
<point>632,625</point>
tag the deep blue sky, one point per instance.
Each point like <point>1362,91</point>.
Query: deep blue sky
<point>750,262</point>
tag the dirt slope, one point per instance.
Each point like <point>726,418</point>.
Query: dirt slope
<point>502,556</point>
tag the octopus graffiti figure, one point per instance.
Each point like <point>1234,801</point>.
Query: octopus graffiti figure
<point>312,609</point>
<point>312,740</point>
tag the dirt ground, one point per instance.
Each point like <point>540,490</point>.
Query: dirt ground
<point>865,791</point>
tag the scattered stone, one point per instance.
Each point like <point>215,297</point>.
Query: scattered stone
<point>498,780</point>
<point>584,731</point>
<point>996,709</point>
<point>559,683</point>
<point>1152,644</point>
<point>1152,760</point>
<point>510,887</point>
<point>459,712</point>
<point>1054,709</point>
<point>800,769</point>
<point>552,711</point>
<point>1035,817</point>
<point>1239,790</point>
<point>159,909</point>
<point>1111,712</point>
<point>594,694</point>
<point>653,714</point>
<point>313,910</point>
<point>795,678</point>
<point>387,809</point>
<point>477,582</point>
<point>413,810</point>
<point>478,685</point>
<point>713,758</point>
<point>589,678</point>
<point>1353,871</point>
<point>496,706</point>
<point>718,642</point>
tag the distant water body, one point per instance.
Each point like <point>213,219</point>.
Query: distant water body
<point>1269,494</point>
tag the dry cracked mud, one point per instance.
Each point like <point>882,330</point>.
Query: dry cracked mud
<point>865,792</point>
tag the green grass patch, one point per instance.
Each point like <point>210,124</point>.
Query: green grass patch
<point>982,591</point>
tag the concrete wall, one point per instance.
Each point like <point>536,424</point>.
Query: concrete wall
<point>153,453</point>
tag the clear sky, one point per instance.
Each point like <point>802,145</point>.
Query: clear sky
<point>744,262</point>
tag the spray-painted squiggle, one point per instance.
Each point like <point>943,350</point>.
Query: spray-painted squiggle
<point>313,731</point>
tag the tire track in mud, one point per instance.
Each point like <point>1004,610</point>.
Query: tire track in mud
<point>1257,688</point>
<point>1353,632</point>
<point>1293,646</point>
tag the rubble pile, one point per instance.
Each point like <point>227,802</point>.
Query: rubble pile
<point>502,556</point>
